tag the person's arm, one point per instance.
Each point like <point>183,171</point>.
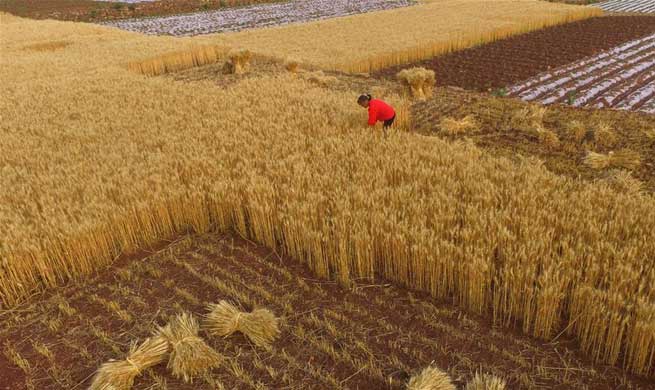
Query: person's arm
<point>372,116</point>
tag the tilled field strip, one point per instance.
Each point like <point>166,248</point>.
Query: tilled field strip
<point>621,77</point>
<point>641,6</point>
<point>539,56</point>
<point>255,16</point>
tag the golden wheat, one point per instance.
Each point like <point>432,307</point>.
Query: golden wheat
<point>190,356</point>
<point>485,382</point>
<point>98,161</point>
<point>352,44</point>
<point>238,62</point>
<point>420,81</point>
<point>624,158</point>
<point>260,325</point>
<point>604,135</point>
<point>431,378</point>
<point>576,130</point>
<point>453,126</point>
<point>623,181</point>
<point>292,65</point>
<point>120,374</point>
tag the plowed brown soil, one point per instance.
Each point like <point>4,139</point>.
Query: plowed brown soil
<point>502,63</point>
<point>370,336</point>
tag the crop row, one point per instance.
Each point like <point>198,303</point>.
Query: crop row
<point>622,78</point>
<point>637,6</point>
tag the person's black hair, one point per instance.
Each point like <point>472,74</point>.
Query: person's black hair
<point>364,97</point>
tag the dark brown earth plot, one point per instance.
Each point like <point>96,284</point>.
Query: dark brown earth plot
<point>370,336</point>
<point>96,11</point>
<point>502,63</point>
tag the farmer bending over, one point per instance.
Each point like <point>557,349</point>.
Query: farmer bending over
<point>378,111</point>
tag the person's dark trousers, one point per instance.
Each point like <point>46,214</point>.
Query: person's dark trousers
<point>389,122</point>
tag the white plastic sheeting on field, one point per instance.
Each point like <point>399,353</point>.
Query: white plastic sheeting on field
<point>639,6</point>
<point>254,16</point>
<point>125,1</point>
<point>622,78</point>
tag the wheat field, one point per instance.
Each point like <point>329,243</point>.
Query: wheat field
<point>373,41</point>
<point>98,160</point>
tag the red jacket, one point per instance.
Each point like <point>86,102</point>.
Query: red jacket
<point>379,111</point>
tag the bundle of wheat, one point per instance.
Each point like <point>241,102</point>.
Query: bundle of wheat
<point>547,137</point>
<point>529,119</point>
<point>238,63</point>
<point>119,375</point>
<point>624,158</point>
<point>597,160</point>
<point>576,130</point>
<point>321,79</point>
<point>453,126</point>
<point>260,325</point>
<point>190,355</point>
<point>431,378</point>
<point>485,382</point>
<point>420,81</point>
<point>623,181</point>
<point>292,65</point>
<point>604,135</point>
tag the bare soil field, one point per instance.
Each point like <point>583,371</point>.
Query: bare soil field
<point>370,336</point>
<point>97,11</point>
<point>508,61</point>
<point>498,135</point>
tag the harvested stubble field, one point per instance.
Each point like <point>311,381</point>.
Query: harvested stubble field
<point>98,161</point>
<point>621,78</point>
<point>331,337</point>
<point>498,132</point>
<point>509,61</point>
<point>256,16</point>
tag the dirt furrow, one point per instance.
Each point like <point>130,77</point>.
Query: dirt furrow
<point>589,81</point>
<point>589,93</point>
<point>493,66</point>
<point>623,52</point>
<point>614,97</point>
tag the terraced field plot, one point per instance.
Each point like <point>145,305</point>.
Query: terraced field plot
<point>109,160</point>
<point>332,338</point>
<point>497,133</point>
<point>255,16</point>
<point>98,11</point>
<point>506,62</point>
<point>621,78</point>
<point>637,6</point>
